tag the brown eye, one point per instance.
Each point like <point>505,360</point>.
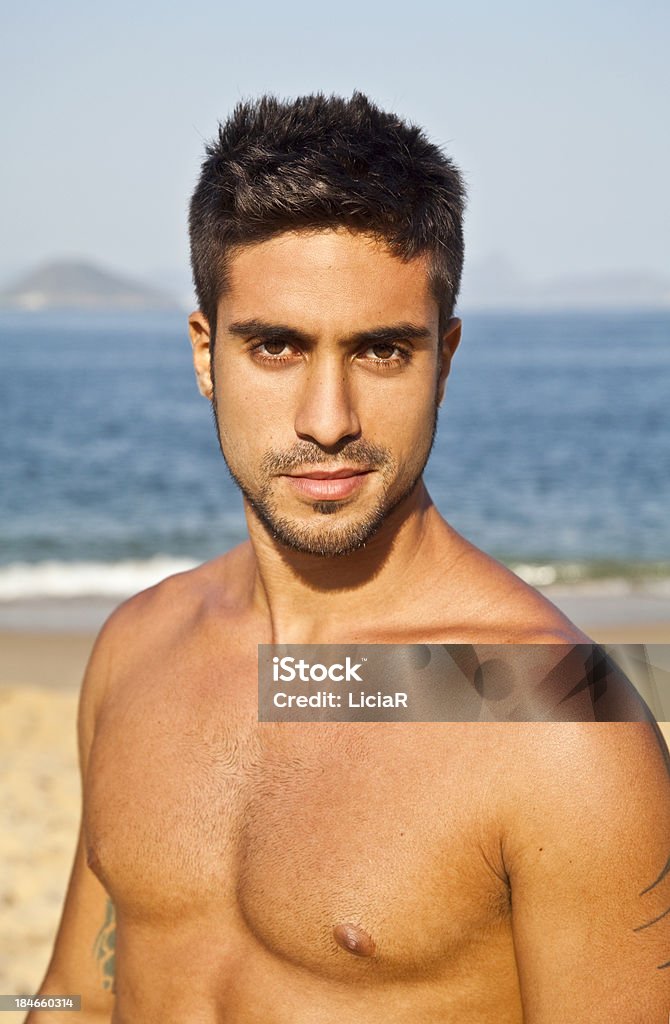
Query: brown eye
<point>273,348</point>
<point>384,351</point>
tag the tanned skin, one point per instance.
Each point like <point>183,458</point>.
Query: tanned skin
<point>231,872</point>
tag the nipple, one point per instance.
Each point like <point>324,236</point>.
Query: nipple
<point>354,939</point>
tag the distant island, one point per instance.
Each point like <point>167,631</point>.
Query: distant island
<point>69,284</point>
<point>495,284</point>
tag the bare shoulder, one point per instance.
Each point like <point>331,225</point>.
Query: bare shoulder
<point>589,781</point>
<point>152,624</point>
<point>504,608</point>
<point>173,608</point>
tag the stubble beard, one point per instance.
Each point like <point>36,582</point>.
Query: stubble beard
<point>329,538</point>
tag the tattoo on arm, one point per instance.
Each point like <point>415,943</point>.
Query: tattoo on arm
<point>658,917</point>
<point>641,927</point>
<point>662,745</point>
<point>104,948</point>
<point>665,870</point>
<point>660,878</point>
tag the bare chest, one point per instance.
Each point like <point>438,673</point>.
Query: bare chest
<point>303,835</point>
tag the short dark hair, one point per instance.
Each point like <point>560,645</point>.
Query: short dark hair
<point>322,162</point>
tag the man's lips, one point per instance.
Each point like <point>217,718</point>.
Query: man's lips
<point>328,484</point>
<point>329,474</point>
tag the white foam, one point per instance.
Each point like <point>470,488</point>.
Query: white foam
<point>118,580</point>
<point>536,575</point>
<point>22,580</point>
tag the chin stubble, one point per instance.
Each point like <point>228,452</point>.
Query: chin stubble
<point>338,539</point>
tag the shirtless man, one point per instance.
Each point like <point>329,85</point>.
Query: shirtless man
<point>248,873</point>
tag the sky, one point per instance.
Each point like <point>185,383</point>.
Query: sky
<point>556,113</point>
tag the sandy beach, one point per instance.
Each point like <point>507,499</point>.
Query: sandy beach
<point>40,672</point>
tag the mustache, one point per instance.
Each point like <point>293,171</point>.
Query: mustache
<point>355,453</point>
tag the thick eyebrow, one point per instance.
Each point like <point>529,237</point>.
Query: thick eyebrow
<point>375,336</point>
<point>394,332</point>
<point>263,329</point>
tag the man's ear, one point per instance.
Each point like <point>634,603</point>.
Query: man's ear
<point>451,336</point>
<point>198,329</point>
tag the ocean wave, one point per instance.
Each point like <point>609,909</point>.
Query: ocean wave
<point>54,579</point>
<point>603,576</point>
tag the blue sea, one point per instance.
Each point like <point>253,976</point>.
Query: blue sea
<point>553,450</point>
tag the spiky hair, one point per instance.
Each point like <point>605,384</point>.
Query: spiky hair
<point>318,162</point>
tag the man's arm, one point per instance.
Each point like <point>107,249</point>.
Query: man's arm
<point>82,962</point>
<point>588,860</point>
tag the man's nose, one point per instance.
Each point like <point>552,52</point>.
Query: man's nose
<point>326,414</point>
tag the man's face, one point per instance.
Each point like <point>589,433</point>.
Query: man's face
<point>328,371</point>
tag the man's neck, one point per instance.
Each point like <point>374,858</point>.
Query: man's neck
<point>313,599</point>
